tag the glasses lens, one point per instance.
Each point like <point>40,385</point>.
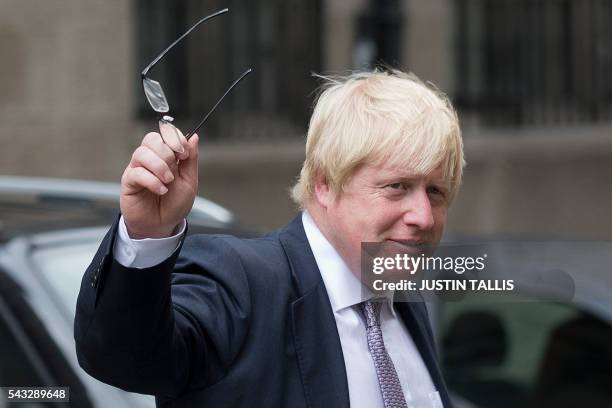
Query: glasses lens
<point>171,135</point>
<point>155,95</point>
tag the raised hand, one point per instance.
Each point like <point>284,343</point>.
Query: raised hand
<point>158,187</point>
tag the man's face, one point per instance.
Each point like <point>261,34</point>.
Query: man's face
<point>383,204</point>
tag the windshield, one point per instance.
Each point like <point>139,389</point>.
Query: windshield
<point>62,262</point>
<point>63,267</point>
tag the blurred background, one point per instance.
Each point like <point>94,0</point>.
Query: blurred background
<point>530,78</point>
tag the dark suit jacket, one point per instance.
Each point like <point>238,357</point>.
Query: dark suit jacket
<point>228,323</point>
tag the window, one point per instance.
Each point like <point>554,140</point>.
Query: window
<point>29,355</point>
<point>524,62</point>
<point>280,40</point>
<point>529,354</point>
<point>20,362</point>
<point>378,41</point>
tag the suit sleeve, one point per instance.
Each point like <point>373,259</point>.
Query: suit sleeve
<point>165,329</point>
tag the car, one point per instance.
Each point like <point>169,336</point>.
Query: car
<point>50,230</point>
<point>36,204</point>
<point>514,353</point>
<point>549,344</point>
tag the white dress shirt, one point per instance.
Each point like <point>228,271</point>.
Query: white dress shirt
<point>144,253</point>
<point>345,293</point>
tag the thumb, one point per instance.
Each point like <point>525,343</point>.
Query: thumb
<point>189,166</point>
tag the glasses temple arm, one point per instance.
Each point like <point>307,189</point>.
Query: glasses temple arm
<point>247,72</point>
<point>163,54</point>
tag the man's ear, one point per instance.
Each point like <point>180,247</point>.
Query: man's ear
<point>323,193</point>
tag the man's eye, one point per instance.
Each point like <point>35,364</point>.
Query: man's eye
<point>395,186</point>
<point>436,191</point>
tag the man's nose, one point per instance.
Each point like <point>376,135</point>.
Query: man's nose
<point>419,212</point>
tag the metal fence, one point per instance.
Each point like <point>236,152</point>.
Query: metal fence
<point>279,39</point>
<point>534,62</point>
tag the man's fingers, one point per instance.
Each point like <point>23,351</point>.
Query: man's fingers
<point>185,143</point>
<point>155,142</point>
<point>189,167</point>
<point>138,178</point>
<point>145,157</point>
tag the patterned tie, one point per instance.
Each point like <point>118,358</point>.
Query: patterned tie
<point>390,387</point>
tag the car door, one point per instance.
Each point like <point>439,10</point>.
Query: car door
<point>29,356</point>
<point>525,354</point>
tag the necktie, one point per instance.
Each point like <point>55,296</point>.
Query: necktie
<point>390,387</point>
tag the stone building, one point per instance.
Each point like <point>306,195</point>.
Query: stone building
<point>530,78</point>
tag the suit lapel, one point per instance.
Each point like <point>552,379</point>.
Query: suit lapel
<point>315,333</point>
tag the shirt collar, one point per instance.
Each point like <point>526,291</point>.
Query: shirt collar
<point>343,287</point>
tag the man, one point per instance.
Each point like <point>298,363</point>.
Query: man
<point>280,321</point>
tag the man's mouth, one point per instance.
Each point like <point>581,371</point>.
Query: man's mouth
<point>410,246</point>
<point>409,242</point>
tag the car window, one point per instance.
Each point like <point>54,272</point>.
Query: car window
<point>529,354</point>
<point>23,214</point>
<point>21,361</point>
<point>63,267</point>
<point>16,368</point>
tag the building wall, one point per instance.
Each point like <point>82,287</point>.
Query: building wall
<point>66,83</point>
<point>66,110</point>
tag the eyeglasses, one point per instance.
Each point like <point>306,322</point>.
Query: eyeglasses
<point>154,92</point>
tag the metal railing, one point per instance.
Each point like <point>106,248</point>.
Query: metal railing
<point>280,40</point>
<point>534,62</point>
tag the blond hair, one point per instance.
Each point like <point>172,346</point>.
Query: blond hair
<point>379,117</point>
